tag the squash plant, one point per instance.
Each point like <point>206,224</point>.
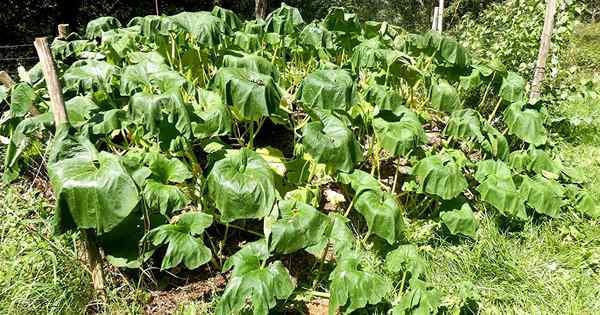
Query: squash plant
<point>188,127</point>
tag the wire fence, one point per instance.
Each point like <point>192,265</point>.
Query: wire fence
<point>17,53</point>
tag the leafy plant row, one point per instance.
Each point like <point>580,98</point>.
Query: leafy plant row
<point>311,138</point>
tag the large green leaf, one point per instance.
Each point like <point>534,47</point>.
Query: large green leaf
<point>328,89</point>
<point>454,53</point>
<point>586,203</point>
<point>487,168</point>
<point>352,288</point>
<point>215,117</point>
<point>382,213</point>
<point>465,124</point>
<point>421,299</point>
<point>22,97</point>
<point>203,27</point>
<point>231,20</point>
<point>525,123</point>
<point>95,27</point>
<point>338,20</point>
<point>94,191</point>
<point>543,195</point>
<point>242,186</point>
<point>299,226</point>
<point>513,88</point>
<point>440,175</point>
<point>405,258</point>
<point>253,95</point>
<point>184,239</point>
<point>502,193</point>
<point>444,96</point>
<point>251,62</point>
<point>330,142</point>
<point>89,76</point>
<point>284,20</point>
<point>399,135</point>
<point>495,142</point>
<point>166,198</point>
<point>254,283</point>
<point>368,54</point>
<point>460,221</point>
<point>159,113</point>
<point>80,109</point>
<point>385,98</point>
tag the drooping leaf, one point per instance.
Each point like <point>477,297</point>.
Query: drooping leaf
<point>465,124</point>
<point>513,88</point>
<point>399,135</point>
<point>94,191</point>
<point>80,109</point>
<point>338,20</point>
<point>352,288</point>
<point>440,175</point>
<point>252,283</point>
<point>284,20</point>
<point>253,63</point>
<point>487,168</point>
<point>420,299</point>
<point>166,198</point>
<point>253,95</point>
<point>330,142</point>
<point>444,96</point>
<point>502,193</point>
<point>460,221</point>
<point>543,195</point>
<point>242,186</point>
<point>204,28</point>
<point>184,239</point>
<point>525,123</point>
<point>215,117</point>
<point>453,53</point>
<point>382,213</point>
<point>89,76</point>
<point>22,97</point>
<point>495,142</point>
<point>95,27</point>
<point>586,203</point>
<point>299,226</point>
<point>231,20</point>
<point>159,113</point>
<point>328,89</point>
<point>385,99</point>
<point>359,181</point>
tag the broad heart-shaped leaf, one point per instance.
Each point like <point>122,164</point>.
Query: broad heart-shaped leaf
<point>586,203</point>
<point>203,27</point>
<point>543,164</point>
<point>352,288</point>
<point>525,123</point>
<point>92,192</point>
<point>215,117</point>
<point>368,54</point>
<point>405,258</point>
<point>117,43</point>
<point>22,97</point>
<point>159,113</point>
<point>495,142</point>
<point>385,99</point>
<point>502,194</point>
<point>299,226</point>
<point>421,299</point>
<point>184,239</point>
<point>251,62</point>
<point>231,20</point>
<point>90,76</point>
<point>316,37</point>
<point>513,88</point>
<point>252,283</point>
<point>487,168</point>
<point>340,235</point>
<point>460,221</point>
<point>471,81</point>
<point>543,195</point>
<point>359,181</point>
<point>167,170</point>
<point>328,89</point>
<point>253,95</point>
<point>284,20</point>
<point>465,124</point>
<point>454,53</point>
<point>330,142</point>
<point>95,27</point>
<point>399,135</point>
<point>440,175</point>
<point>382,213</point>
<point>106,122</point>
<point>338,20</point>
<point>166,198</point>
<point>242,186</point>
<point>80,109</point>
<point>444,96</point>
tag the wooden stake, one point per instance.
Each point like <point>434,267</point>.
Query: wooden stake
<point>63,31</point>
<point>54,87</point>
<point>545,41</point>
<point>260,9</point>
<point>6,79</point>
<point>440,20</point>
<point>435,19</point>
<point>57,104</point>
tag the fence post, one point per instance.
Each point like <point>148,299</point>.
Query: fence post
<point>545,40</point>
<point>63,31</point>
<point>440,21</point>
<point>435,19</point>
<point>6,79</point>
<point>57,104</point>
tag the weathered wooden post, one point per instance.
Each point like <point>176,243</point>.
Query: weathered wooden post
<point>440,20</point>
<point>63,31</point>
<point>545,41</point>
<point>6,79</point>
<point>260,9</point>
<point>59,112</point>
<point>435,19</point>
